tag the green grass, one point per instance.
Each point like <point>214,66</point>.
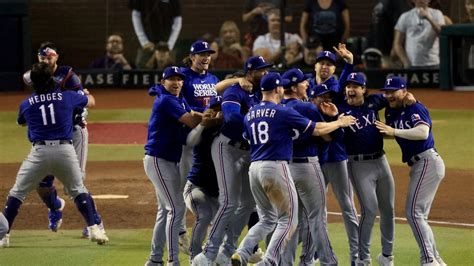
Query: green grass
<point>132,246</point>
<point>452,130</point>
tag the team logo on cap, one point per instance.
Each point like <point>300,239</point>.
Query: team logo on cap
<point>48,51</point>
<point>353,75</point>
<point>324,86</point>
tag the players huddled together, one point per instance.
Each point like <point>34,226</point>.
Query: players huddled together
<point>260,141</point>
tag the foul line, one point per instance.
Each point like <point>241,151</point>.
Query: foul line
<point>405,219</point>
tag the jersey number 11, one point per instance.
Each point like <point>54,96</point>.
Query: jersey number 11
<point>51,113</point>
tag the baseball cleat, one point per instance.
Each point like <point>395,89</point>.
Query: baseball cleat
<point>96,235</point>
<point>56,217</point>
<point>365,262</point>
<point>257,256</point>
<point>236,260</point>
<point>385,261</point>
<point>151,262</point>
<point>441,261</point>
<point>201,260</point>
<point>184,243</point>
<point>5,241</point>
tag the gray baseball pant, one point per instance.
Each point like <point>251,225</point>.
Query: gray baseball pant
<point>3,225</point>
<point>80,141</point>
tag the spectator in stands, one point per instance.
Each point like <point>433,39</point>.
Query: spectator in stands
<point>255,16</point>
<point>269,45</point>
<point>416,41</point>
<point>436,4</point>
<point>113,58</point>
<point>372,59</point>
<point>231,54</point>
<point>311,50</point>
<point>161,58</point>
<point>469,5</point>
<point>384,18</point>
<point>155,21</point>
<point>326,19</point>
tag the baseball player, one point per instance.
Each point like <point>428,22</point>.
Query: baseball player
<point>201,190</point>
<point>47,113</point>
<point>368,168</point>
<point>198,88</point>
<point>166,132</point>
<point>269,127</point>
<point>66,79</point>
<point>231,156</point>
<point>411,128</point>
<point>332,155</point>
<point>308,179</point>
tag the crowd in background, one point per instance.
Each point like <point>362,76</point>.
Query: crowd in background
<point>323,24</point>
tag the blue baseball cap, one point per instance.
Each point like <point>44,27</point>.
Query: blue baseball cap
<point>295,76</point>
<point>394,83</point>
<point>271,81</point>
<point>199,47</point>
<point>357,78</point>
<point>319,90</point>
<point>326,55</point>
<point>173,71</point>
<point>215,100</point>
<point>255,62</point>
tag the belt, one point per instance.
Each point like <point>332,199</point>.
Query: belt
<point>52,142</point>
<point>419,156</point>
<point>365,157</point>
<point>239,144</point>
<point>300,160</point>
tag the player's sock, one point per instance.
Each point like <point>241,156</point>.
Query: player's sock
<point>253,220</point>
<point>386,256</point>
<point>11,210</point>
<point>97,218</point>
<point>48,193</point>
<point>84,206</point>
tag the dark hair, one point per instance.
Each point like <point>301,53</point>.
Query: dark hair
<point>48,45</point>
<point>42,77</point>
<point>313,42</point>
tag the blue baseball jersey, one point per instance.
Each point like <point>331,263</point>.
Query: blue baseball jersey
<point>406,118</point>
<point>203,173</point>
<point>198,89</point>
<point>269,127</point>
<point>236,102</point>
<point>65,77</point>
<point>304,146</point>
<point>48,115</point>
<point>166,135</point>
<point>335,150</point>
<point>363,137</point>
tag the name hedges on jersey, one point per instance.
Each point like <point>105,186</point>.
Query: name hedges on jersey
<point>45,97</point>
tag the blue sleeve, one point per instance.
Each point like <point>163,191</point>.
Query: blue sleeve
<point>76,99</point>
<point>173,107</point>
<point>378,101</point>
<point>21,120</point>
<point>72,82</point>
<point>299,122</point>
<point>419,115</point>
<point>231,112</point>
<point>348,68</point>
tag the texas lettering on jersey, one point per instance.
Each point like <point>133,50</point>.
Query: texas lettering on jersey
<point>363,121</point>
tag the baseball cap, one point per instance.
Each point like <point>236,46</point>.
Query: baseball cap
<point>271,81</point>
<point>395,83</point>
<point>254,63</point>
<point>215,100</point>
<point>326,55</point>
<point>295,76</point>
<point>357,78</point>
<point>201,46</point>
<point>319,90</point>
<point>372,57</point>
<point>173,71</point>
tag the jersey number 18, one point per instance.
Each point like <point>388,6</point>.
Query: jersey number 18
<point>51,113</point>
<point>260,131</point>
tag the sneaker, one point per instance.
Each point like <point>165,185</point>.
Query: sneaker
<point>184,243</point>
<point>5,241</point>
<point>222,259</point>
<point>256,256</point>
<point>441,262</point>
<point>201,260</point>
<point>236,260</point>
<point>96,235</point>
<point>56,217</point>
<point>385,261</point>
<point>151,262</point>
<point>365,262</point>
